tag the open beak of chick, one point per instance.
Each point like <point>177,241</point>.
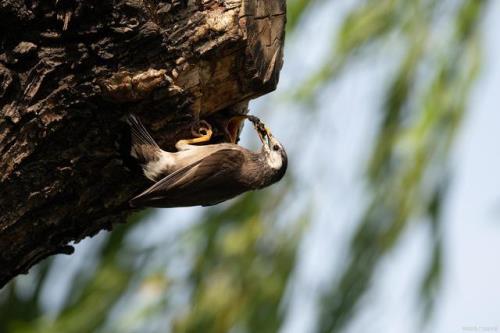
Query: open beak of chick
<point>233,128</point>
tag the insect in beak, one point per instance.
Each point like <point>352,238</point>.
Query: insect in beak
<point>262,130</point>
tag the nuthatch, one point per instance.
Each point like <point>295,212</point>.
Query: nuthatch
<point>208,174</point>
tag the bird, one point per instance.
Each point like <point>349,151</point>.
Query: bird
<point>204,175</point>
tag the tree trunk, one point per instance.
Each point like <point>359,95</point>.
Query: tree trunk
<point>71,69</point>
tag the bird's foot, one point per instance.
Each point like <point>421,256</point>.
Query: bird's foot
<point>202,132</point>
<point>201,129</point>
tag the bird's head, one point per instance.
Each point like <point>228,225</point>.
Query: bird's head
<point>272,149</point>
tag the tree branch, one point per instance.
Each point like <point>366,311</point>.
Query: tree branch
<point>70,70</point>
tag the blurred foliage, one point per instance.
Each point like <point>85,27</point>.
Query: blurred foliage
<point>239,267</point>
<point>241,272</point>
<point>90,299</point>
<point>295,10</point>
<point>230,272</point>
<point>408,165</point>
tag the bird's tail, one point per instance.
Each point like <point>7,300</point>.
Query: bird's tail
<point>144,147</point>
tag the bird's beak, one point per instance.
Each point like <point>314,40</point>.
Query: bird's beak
<point>269,136</point>
<point>262,130</point>
<point>263,134</point>
<point>233,128</point>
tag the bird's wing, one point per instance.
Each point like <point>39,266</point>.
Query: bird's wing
<point>197,180</point>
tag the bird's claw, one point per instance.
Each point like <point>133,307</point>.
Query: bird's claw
<point>201,128</point>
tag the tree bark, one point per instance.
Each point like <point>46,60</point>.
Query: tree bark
<point>69,72</point>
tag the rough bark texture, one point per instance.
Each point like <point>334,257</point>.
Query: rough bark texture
<point>71,69</point>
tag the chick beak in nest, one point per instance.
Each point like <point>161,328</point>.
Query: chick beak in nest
<point>233,128</point>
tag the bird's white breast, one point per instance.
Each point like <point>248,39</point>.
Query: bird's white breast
<point>274,160</point>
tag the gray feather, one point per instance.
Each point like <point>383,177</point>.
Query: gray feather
<point>144,147</point>
<point>207,181</point>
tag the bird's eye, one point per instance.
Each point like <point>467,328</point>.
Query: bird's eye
<point>276,147</point>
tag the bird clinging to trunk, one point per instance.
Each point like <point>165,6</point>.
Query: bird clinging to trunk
<point>204,175</point>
